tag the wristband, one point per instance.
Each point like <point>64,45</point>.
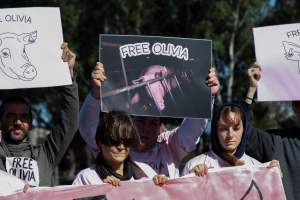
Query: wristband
<point>249,98</point>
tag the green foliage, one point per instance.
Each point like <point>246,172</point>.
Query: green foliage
<point>228,23</point>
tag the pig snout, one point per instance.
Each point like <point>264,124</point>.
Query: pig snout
<point>157,92</point>
<point>29,72</point>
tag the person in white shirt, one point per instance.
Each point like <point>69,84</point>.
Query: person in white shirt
<point>115,136</point>
<point>230,129</point>
<point>163,152</point>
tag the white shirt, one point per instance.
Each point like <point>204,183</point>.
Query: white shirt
<point>212,160</point>
<point>165,156</point>
<point>89,176</point>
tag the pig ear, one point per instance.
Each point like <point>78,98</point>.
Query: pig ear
<point>28,38</point>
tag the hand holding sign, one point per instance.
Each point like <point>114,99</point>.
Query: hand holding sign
<point>97,76</point>
<point>26,187</point>
<point>160,179</point>
<point>68,56</point>
<point>200,170</point>
<point>112,180</point>
<point>212,81</point>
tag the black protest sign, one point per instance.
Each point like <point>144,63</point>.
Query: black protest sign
<point>156,76</point>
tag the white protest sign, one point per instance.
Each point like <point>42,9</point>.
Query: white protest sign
<point>9,184</point>
<point>30,54</point>
<point>277,50</point>
<point>23,168</point>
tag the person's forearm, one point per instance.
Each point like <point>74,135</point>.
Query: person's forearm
<point>95,92</point>
<point>189,133</point>
<point>250,95</point>
<point>89,119</point>
<point>63,132</point>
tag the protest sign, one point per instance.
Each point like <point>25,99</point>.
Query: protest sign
<point>9,184</point>
<point>23,168</point>
<point>277,50</point>
<point>232,183</point>
<point>30,54</point>
<point>156,76</point>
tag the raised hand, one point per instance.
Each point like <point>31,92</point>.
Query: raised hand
<point>212,81</point>
<point>97,76</point>
<point>254,74</point>
<point>68,56</point>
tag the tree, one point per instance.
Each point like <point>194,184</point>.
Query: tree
<point>227,23</point>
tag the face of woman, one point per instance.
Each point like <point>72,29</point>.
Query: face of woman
<point>115,154</point>
<point>230,132</point>
<point>149,129</point>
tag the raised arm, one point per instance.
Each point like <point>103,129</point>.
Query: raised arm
<point>254,74</point>
<point>260,143</point>
<point>63,132</point>
<point>184,139</point>
<point>91,108</point>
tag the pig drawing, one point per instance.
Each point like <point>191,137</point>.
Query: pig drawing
<point>292,52</point>
<point>156,90</point>
<point>14,61</point>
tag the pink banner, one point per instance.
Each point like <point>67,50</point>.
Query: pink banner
<point>231,183</point>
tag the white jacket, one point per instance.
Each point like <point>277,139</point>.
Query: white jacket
<point>89,175</point>
<point>165,156</point>
<point>212,160</point>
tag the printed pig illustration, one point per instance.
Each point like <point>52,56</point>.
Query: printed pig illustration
<point>14,61</point>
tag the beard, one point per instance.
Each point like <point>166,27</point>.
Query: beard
<point>15,134</point>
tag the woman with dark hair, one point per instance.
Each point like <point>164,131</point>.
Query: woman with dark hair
<point>229,134</point>
<point>115,135</point>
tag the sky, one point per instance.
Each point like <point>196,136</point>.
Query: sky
<point>272,2</point>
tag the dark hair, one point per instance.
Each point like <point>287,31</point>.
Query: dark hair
<point>15,99</point>
<point>116,127</point>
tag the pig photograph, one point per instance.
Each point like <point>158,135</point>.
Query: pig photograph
<point>156,76</point>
